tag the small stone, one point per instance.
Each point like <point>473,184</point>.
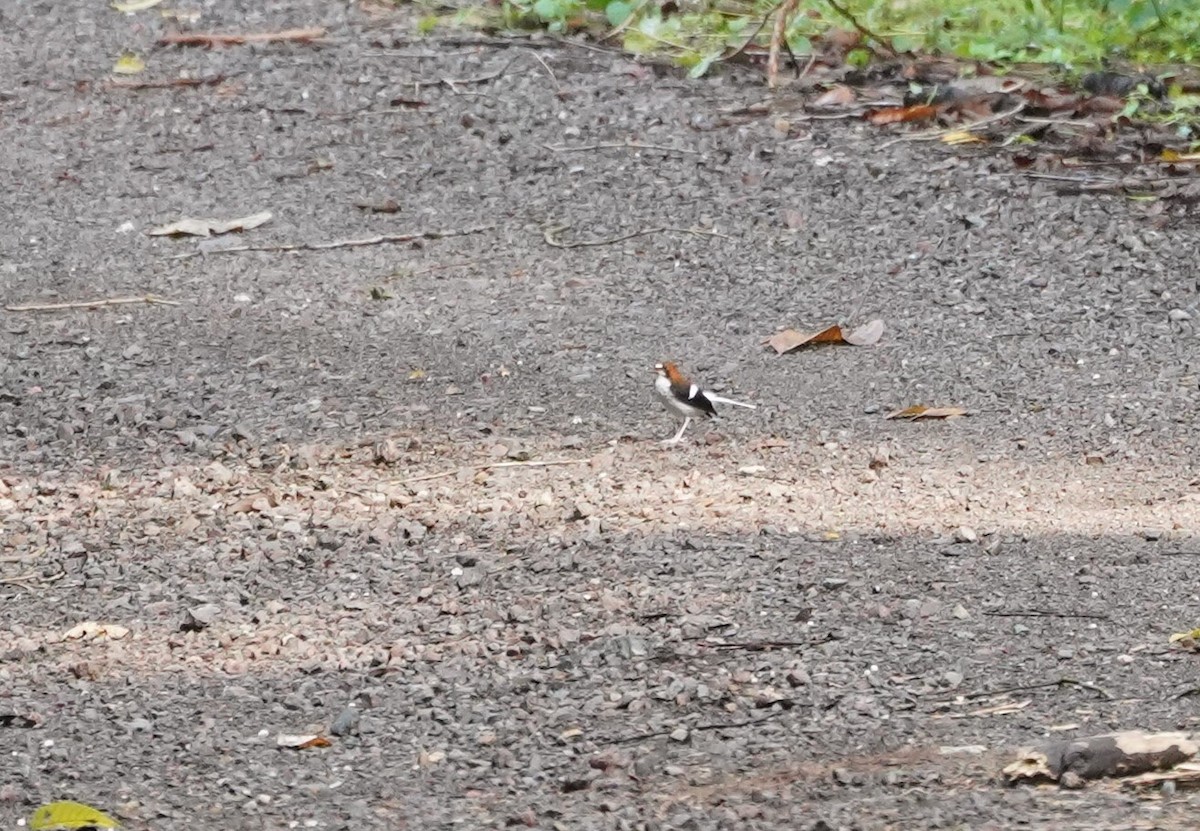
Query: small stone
<point>1153,534</point>
<point>199,617</point>
<point>1179,314</point>
<point>346,722</point>
<point>965,534</point>
<point>960,612</point>
<point>953,678</point>
<point>679,734</point>
<point>834,583</point>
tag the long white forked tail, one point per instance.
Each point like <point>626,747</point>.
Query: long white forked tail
<point>716,399</point>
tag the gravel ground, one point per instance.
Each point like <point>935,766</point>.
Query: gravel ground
<point>287,506</point>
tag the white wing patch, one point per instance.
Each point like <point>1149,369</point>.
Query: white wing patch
<point>693,392</point>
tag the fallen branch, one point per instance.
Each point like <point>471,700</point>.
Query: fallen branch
<point>209,39</point>
<point>755,646</point>
<point>382,239</point>
<point>617,145</point>
<point>491,466</point>
<point>550,235</point>
<point>149,299</point>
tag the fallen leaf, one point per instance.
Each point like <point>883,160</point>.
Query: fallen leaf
<point>128,64</point>
<point>135,6</point>
<point>790,340</point>
<point>388,206</point>
<point>921,411</point>
<point>416,375</point>
<point>902,115</point>
<point>839,95</point>
<point>866,335</point>
<point>961,137</point>
<point>69,815</point>
<point>1172,156</point>
<point>208,227</point>
<point>301,742</point>
<point>91,630</point>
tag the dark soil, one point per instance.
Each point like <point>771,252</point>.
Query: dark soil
<point>280,496</point>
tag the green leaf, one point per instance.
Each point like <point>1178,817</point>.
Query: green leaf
<point>548,9</point>
<point>67,816</point>
<point>427,24</point>
<point>701,66</point>
<point>618,11</point>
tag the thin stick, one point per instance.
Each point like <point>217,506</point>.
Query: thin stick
<point>550,235</point>
<point>93,304</point>
<point>862,30</point>
<point>492,466</point>
<point>753,35</point>
<point>617,145</point>
<point>455,83</point>
<point>210,39</point>
<point>546,66</point>
<point>1041,613</point>
<point>169,83</point>
<point>382,239</point>
<point>1061,682</point>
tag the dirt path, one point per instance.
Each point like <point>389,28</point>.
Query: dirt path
<point>286,496</point>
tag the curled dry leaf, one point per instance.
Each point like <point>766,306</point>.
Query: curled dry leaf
<point>790,340</point>
<point>301,741</point>
<point>208,227</point>
<point>921,411</point>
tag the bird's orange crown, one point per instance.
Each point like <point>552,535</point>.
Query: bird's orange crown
<point>670,370</point>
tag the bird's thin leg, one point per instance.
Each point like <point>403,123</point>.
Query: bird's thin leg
<point>679,435</point>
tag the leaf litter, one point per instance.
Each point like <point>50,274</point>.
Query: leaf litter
<point>789,340</point>
<point>192,227</point>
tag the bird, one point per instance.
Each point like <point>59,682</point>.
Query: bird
<point>685,399</point>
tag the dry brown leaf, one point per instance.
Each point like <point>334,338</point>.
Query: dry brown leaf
<point>791,339</point>
<point>899,115</point>
<point>839,95</point>
<point>921,411</point>
<point>91,630</point>
<point>301,742</point>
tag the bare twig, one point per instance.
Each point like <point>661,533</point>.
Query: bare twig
<point>455,83</point>
<point>615,145</point>
<point>1061,682</point>
<point>1043,613</point>
<point>210,39</point>
<point>755,646</point>
<point>551,236</point>
<point>762,24</point>
<point>490,466</point>
<point>149,299</point>
<point>778,39</point>
<point>545,66</point>
<point>168,83</point>
<point>861,29</point>
<point>382,239</point>
<point>731,725</point>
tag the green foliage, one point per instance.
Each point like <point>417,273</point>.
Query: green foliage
<point>1071,33</point>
